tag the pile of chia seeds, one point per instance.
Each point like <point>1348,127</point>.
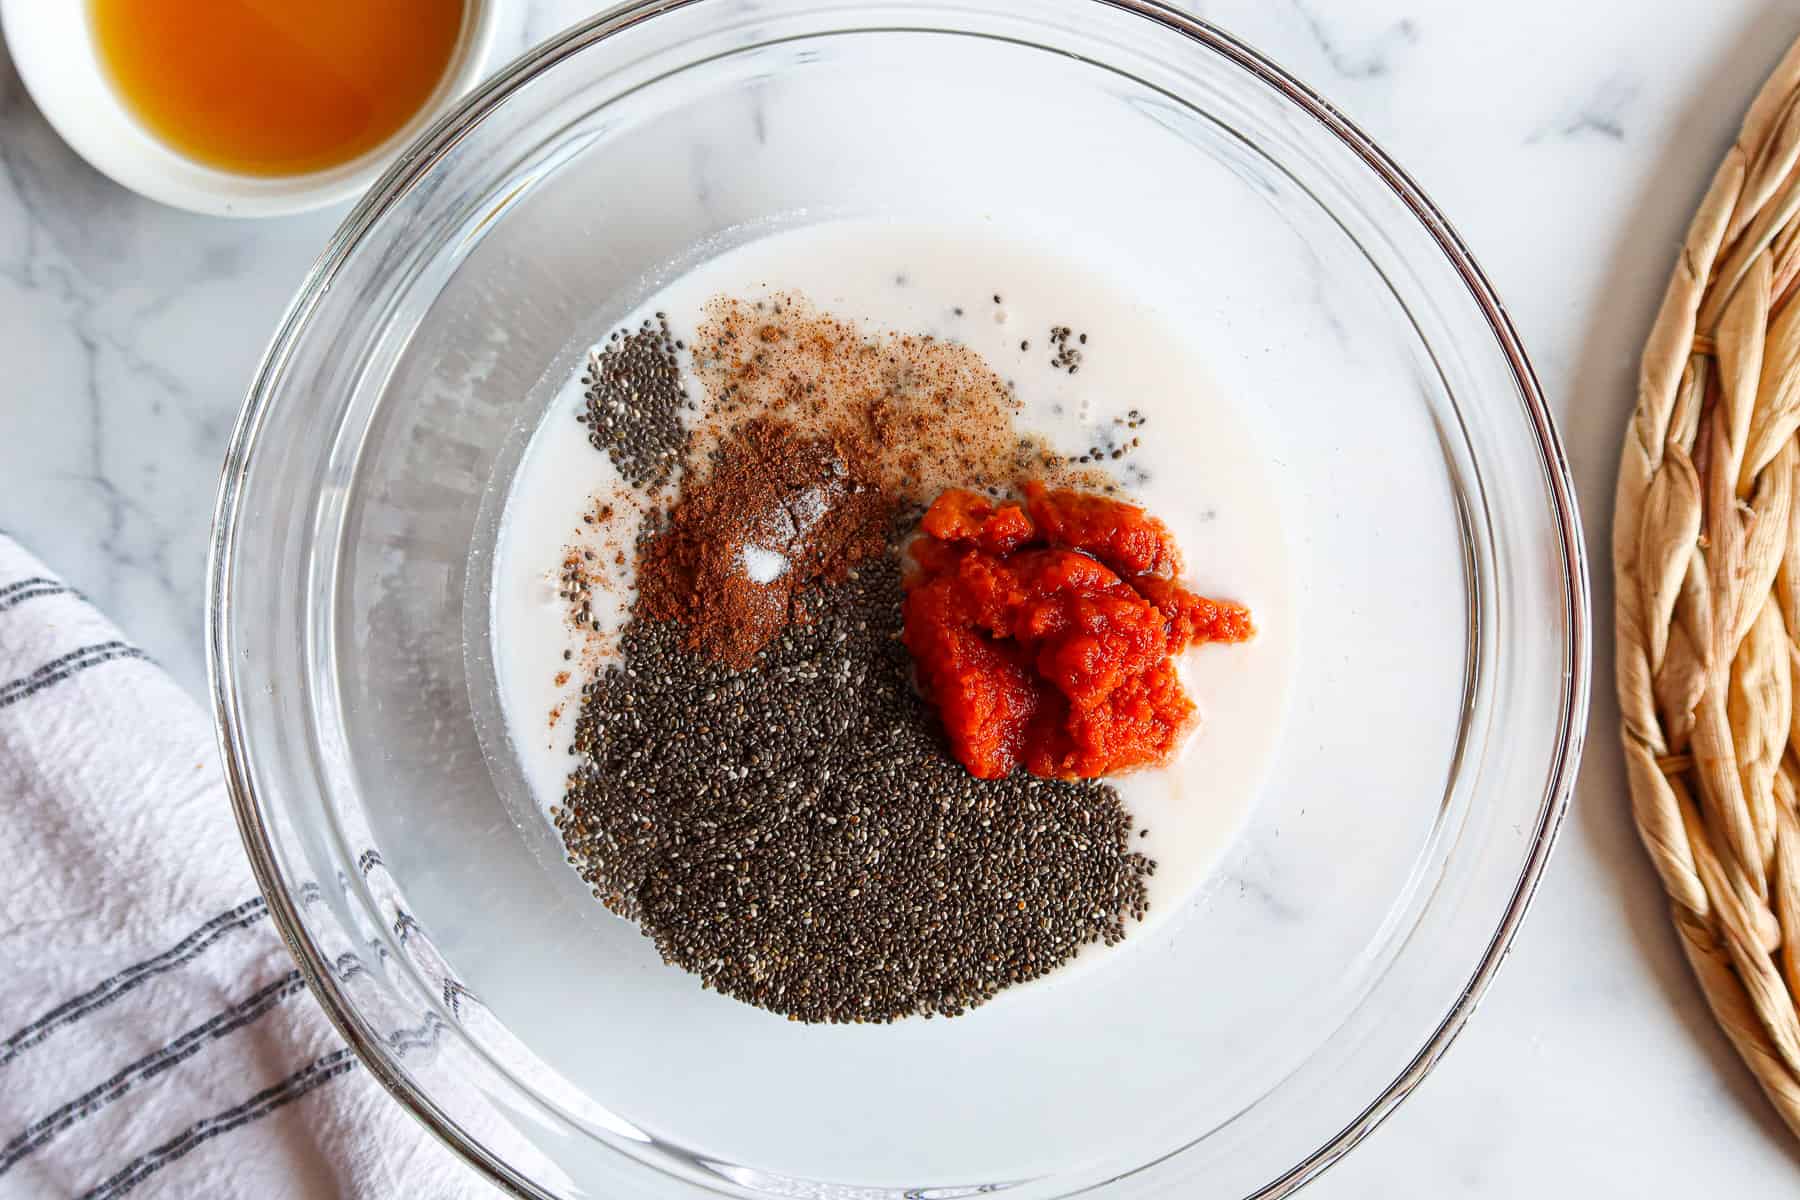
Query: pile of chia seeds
<point>635,400</point>
<point>795,835</point>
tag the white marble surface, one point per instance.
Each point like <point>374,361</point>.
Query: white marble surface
<point>1569,140</point>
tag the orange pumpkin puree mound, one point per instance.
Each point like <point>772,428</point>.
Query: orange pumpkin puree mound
<point>1045,633</point>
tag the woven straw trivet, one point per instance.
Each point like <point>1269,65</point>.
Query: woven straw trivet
<point>1706,548</point>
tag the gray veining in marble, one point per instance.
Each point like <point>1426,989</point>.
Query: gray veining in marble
<point>1362,55</point>
<point>1569,140</point>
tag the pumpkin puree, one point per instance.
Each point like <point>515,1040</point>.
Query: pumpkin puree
<point>1044,634</point>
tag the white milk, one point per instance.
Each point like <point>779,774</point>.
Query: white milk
<point>1198,468</point>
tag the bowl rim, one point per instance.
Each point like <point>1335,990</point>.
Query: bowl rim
<point>449,127</point>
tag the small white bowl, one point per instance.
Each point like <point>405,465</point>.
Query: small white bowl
<point>54,49</point>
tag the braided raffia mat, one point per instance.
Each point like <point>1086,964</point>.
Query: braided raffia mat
<point>1706,548</point>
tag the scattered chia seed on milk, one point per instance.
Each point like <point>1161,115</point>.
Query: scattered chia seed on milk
<point>795,834</point>
<point>1068,357</point>
<point>635,400</point>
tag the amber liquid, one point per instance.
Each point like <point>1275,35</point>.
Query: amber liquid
<point>275,87</point>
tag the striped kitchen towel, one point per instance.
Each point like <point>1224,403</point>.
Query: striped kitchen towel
<point>157,1039</point>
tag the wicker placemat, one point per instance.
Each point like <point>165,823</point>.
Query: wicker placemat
<point>1706,550</point>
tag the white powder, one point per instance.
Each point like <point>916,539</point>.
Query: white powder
<point>809,509</point>
<point>763,566</point>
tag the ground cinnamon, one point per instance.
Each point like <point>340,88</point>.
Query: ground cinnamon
<point>777,510</point>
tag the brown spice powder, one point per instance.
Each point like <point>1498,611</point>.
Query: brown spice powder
<point>778,510</point>
<point>926,414</point>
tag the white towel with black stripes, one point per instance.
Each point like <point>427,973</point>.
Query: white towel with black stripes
<point>157,1037</point>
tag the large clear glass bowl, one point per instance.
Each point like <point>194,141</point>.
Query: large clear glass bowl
<point>1434,724</point>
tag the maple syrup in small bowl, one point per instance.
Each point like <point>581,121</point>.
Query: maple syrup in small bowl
<point>247,107</point>
<point>268,88</point>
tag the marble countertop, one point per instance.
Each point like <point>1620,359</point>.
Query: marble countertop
<point>1569,141</point>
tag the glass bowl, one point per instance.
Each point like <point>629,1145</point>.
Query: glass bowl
<point>1432,732</point>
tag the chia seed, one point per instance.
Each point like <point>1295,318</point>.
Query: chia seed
<point>796,836</point>
<point>634,403</point>
<point>1067,357</point>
